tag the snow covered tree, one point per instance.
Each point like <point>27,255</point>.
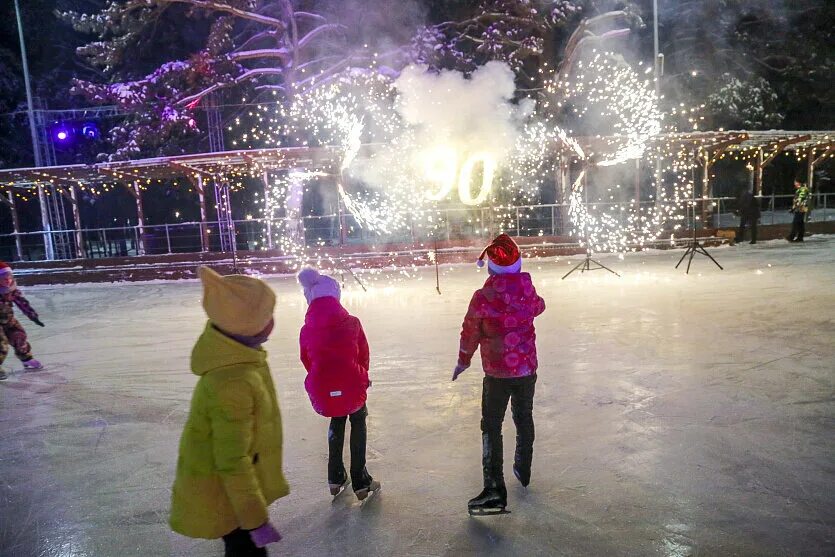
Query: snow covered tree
<point>251,45</point>
<point>771,59</point>
<point>748,105</point>
<point>522,33</point>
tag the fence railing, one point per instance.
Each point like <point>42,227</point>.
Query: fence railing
<point>458,223</point>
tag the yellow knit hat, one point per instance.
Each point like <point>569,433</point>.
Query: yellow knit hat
<point>238,304</point>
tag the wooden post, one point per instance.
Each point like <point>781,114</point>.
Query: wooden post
<point>15,226</point>
<point>638,187</point>
<point>810,170</point>
<point>204,231</point>
<point>758,173</point>
<point>268,209</point>
<point>564,172</point>
<point>706,193</point>
<point>76,215</point>
<point>46,225</point>
<point>140,219</point>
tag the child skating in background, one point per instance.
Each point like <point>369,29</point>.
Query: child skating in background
<point>230,465</point>
<point>499,320</point>
<point>11,331</point>
<point>334,352</point>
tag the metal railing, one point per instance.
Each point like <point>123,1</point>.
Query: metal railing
<point>458,223</point>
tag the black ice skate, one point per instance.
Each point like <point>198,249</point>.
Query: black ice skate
<point>364,493</point>
<point>522,474</point>
<point>3,374</point>
<point>492,500</point>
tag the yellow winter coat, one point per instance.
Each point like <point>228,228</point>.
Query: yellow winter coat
<point>229,468</point>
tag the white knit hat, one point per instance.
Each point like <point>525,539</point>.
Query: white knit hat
<point>317,285</point>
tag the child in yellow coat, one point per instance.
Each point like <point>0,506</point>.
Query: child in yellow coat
<point>230,464</point>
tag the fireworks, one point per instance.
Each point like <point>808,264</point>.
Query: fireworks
<point>403,151</point>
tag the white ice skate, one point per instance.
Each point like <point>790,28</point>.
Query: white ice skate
<point>367,493</point>
<point>337,489</point>
<point>32,365</point>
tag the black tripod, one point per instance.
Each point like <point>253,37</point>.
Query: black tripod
<point>586,264</point>
<point>695,245</point>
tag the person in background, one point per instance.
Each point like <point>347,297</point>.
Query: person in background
<point>11,331</point>
<point>499,321</point>
<point>749,214</point>
<point>800,207</point>
<point>334,351</point>
<point>230,464</point>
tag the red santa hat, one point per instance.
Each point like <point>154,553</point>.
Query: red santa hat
<point>502,256</point>
<point>4,268</point>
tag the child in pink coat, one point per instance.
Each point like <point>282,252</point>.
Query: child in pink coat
<point>499,320</point>
<point>335,354</point>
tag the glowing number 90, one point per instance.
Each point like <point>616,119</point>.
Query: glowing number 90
<point>441,165</point>
<point>488,168</point>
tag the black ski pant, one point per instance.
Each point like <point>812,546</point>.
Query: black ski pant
<point>494,397</point>
<point>798,227</point>
<point>238,543</point>
<point>360,478</point>
<point>744,221</point>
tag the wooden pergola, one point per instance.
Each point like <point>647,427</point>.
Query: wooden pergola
<point>201,170</point>
<point>213,169</point>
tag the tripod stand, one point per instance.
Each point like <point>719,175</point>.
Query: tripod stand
<point>695,245</point>
<point>586,264</point>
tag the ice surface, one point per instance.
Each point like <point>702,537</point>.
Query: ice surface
<point>676,415</point>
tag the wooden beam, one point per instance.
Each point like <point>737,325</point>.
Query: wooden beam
<point>829,150</point>
<point>719,148</point>
<point>204,230</point>
<point>15,223</point>
<point>195,172</point>
<point>780,145</point>
<point>140,219</point>
<point>76,215</point>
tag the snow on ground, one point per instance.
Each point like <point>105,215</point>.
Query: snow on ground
<point>676,415</point>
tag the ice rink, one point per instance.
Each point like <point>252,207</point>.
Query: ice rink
<point>676,415</point>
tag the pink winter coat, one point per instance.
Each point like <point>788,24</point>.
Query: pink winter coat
<point>500,321</point>
<point>334,352</point>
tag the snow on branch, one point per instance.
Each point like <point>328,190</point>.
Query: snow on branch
<point>221,7</point>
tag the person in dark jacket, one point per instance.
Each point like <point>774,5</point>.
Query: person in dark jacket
<point>749,214</point>
<point>800,207</point>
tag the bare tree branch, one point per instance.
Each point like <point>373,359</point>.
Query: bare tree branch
<point>243,14</point>
<point>304,41</point>
<point>281,53</point>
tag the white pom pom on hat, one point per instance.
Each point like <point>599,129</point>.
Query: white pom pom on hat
<point>503,255</point>
<point>317,285</point>
<point>309,277</point>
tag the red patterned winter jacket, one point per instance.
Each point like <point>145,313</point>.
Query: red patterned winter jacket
<point>500,321</point>
<point>334,352</point>
<point>14,296</point>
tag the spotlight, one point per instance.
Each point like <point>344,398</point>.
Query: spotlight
<point>90,130</point>
<point>61,132</point>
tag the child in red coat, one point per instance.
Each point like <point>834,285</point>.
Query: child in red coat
<point>335,354</point>
<point>499,320</point>
<point>11,331</point>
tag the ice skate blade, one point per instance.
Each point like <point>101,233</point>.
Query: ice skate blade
<point>488,512</point>
<point>339,491</point>
<point>367,496</point>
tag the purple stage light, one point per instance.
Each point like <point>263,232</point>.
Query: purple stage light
<point>61,133</point>
<point>90,131</point>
